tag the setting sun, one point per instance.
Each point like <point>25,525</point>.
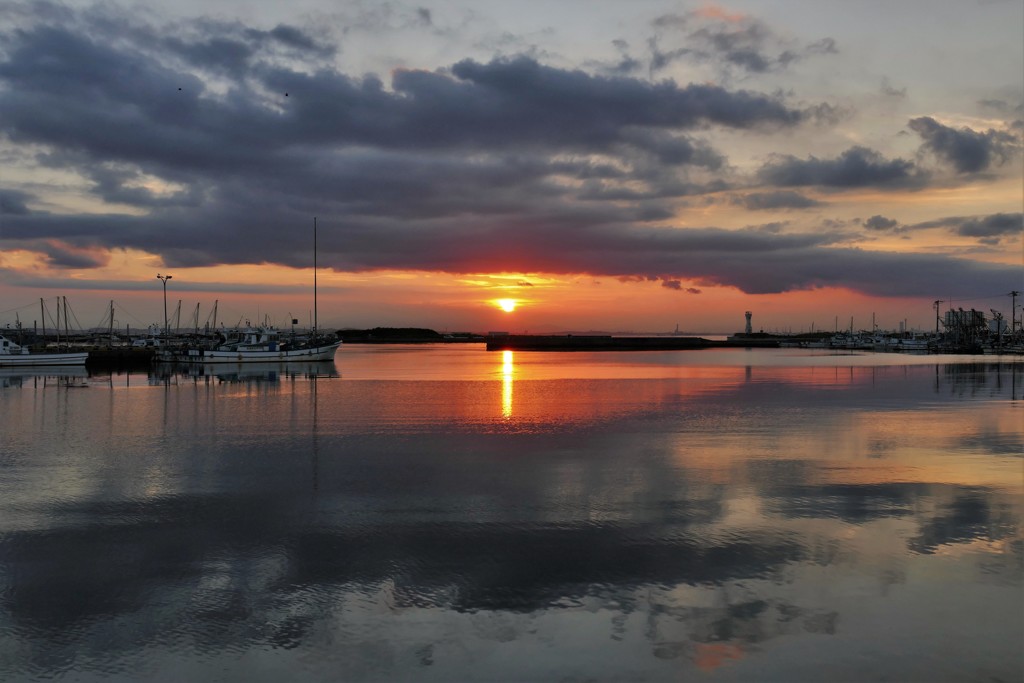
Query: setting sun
<point>507,305</point>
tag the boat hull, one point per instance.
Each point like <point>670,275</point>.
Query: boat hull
<point>315,353</point>
<point>25,360</point>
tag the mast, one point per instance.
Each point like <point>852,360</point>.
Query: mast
<point>111,322</point>
<point>1013,312</point>
<point>315,321</point>
<point>42,315</point>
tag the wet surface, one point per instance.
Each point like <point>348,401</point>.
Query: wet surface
<point>438,514</point>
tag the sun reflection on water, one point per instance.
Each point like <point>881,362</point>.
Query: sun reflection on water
<point>507,376</point>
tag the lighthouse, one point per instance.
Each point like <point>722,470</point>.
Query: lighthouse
<point>748,329</point>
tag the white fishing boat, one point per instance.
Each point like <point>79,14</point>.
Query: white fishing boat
<point>13,354</point>
<point>252,345</point>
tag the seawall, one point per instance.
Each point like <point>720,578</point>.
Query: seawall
<point>573,342</point>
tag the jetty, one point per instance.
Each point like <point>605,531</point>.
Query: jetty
<point>607,342</point>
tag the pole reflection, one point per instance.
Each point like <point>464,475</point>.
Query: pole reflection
<point>507,377</point>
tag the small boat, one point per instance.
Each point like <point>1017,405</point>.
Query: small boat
<point>16,355</point>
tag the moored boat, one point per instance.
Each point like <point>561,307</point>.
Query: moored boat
<point>253,345</point>
<point>13,354</point>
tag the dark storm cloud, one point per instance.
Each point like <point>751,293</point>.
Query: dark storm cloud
<point>780,199</point>
<point>856,167</point>
<point>966,150</point>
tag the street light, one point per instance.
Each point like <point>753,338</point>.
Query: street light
<point>164,279</point>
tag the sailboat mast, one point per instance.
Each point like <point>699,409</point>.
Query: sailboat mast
<point>315,321</point>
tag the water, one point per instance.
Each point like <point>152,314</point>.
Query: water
<point>448,514</point>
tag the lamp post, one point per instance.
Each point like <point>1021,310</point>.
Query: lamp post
<point>164,279</point>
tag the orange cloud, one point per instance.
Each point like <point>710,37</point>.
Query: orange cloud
<point>720,13</point>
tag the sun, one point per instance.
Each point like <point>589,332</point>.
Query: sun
<point>507,305</point>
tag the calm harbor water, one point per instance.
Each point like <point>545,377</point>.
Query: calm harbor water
<point>447,514</point>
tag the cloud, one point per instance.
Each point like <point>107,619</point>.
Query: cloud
<point>14,203</point>
<point>992,226</point>
<point>966,150</point>
<point>1002,106</point>
<point>780,199</point>
<point>856,167</point>
<point>889,91</point>
<point>522,87</point>
<point>509,165</point>
<point>108,105</point>
<point>754,261</point>
<point>63,255</point>
<point>730,40</point>
<point>988,230</point>
<point>880,223</point>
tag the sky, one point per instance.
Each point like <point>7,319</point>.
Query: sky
<point>616,166</point>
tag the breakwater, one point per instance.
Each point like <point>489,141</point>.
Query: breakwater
<point>574,342</point>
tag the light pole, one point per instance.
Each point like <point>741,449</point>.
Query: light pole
<point>164,279</point>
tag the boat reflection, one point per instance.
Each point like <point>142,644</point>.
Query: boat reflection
<point>43,376</point>
<point>245,373</point>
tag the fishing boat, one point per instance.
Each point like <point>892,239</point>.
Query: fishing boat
<point>252,345</point>
<point>13,354</point>
<point>260,344</point>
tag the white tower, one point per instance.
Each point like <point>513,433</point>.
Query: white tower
<point>748,329</point>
